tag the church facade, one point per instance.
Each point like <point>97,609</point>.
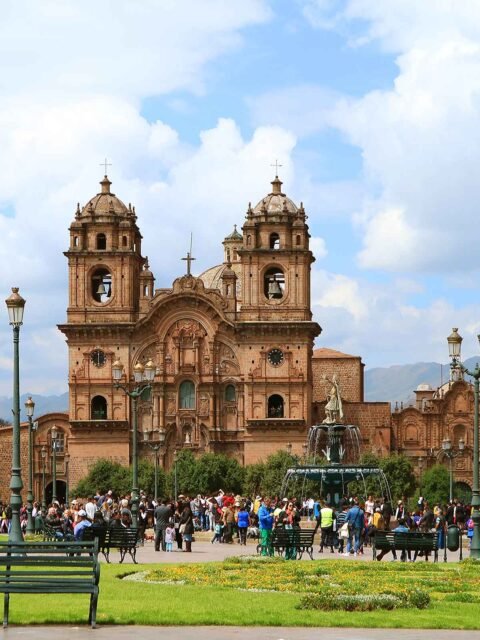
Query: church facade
<point>232,348</point>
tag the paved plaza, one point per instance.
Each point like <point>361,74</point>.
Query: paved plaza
<point>204,551</point>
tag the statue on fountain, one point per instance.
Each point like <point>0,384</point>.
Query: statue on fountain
<point>334,407</point>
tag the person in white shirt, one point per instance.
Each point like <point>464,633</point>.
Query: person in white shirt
<point>90,508</point>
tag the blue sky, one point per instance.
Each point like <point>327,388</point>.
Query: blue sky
<point>371,108</point>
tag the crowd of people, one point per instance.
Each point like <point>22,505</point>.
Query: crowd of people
<point>345,529</point>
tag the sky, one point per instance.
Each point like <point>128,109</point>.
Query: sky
<point>372,109</point>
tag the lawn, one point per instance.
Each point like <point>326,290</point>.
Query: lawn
<point>254,592</point>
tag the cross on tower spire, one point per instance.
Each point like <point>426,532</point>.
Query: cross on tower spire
<point>105,164</point>
<point>189,258</point>
<point>276,165</point>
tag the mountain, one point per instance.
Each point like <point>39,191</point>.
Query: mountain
<point>43,404</point>
<point>398,382</point>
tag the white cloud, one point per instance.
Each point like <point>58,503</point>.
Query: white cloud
<point>378,321</point>
<point>318,247</point>
<point>420,140</point>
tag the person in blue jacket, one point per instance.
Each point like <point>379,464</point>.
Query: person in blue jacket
<point>265,523</point>
<point>356,524</point>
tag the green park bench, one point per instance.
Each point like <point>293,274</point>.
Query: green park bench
<point>301,539</point>
<point>125,539</point>
<point>50,567</point>
<point>409,541</point>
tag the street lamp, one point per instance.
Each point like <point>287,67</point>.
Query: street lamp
<point>454,348</point>
<point>54,434</point>
<point>143,377</point>
<point>175,460</point>
<point>156,449</point>
<point>66,458</point>
<point>29,408</point>
<point>44,463</point>
<point>420,473</point>
<point>451,453</point>
<point>15,305</point>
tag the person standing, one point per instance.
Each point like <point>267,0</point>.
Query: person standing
<point>326,524</point>
<point>265,523</point>
<point>186,527</point>
<point>162,515</point>
<point>243,522</point>
<point>356,524</point>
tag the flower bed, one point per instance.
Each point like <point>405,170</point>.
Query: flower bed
<point>330,585</point>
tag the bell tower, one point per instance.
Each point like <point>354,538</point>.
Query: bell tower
<point>110,289</point>
<point>276,260</point>
<point>105,261</point>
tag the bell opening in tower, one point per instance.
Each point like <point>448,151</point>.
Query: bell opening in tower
<point>101,285</point>
<point>274,283</point>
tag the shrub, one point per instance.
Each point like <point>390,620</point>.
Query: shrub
<point>419,598</point>
<point>368,602</point>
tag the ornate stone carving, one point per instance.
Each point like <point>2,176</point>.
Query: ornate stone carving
<point>170,405</point>
<point>203,405</point>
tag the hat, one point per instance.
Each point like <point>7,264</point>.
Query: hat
<point>378,510</point>
<point>82,513</point>
<point>258,498</point>
<point>285,500</point>
<point>110,492</point>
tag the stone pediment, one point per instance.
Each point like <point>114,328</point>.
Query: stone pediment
<point>189,285</point>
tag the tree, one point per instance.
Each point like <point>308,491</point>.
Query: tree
<point>217,471</point>
<point>146,478</point>
<point>185,466</point>
<point>4,423</point>
<point>253,478</point>
<point>436,484</point>
<point>401,479</point>
<point>103,476</point>
<point>274,472</point>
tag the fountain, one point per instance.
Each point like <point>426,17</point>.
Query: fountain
<point>333,453</point>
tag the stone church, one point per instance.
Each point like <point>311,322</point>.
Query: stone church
<point>235,370</point>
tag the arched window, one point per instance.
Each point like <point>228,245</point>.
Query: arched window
<point>275,406</point>
<point>124,241</point>
<point>99,408</point>
<point>274,283</point>
<point>75,241</point>
<point>230,393</point>
<point>249,240</point>
<point>101,285</point>
<point>274,241</point>
<point>299,240</point>
<point>187,395</point>
<point>458,434</point>
<point>101,241</point>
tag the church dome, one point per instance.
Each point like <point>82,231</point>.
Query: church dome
<point>275,202</point>
<point>212,278</point>
<point>105,202</point>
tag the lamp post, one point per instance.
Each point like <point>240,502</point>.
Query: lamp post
<point>420,473</point>
<point>29,408</point>
<point>66,458</point>
<point>143,377</point>
<point>53,434</point>
<point>451,453</point>
<point>175,460</point>
<point>15,305</point>
<point>454,347</point>
<point>44,464</point>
